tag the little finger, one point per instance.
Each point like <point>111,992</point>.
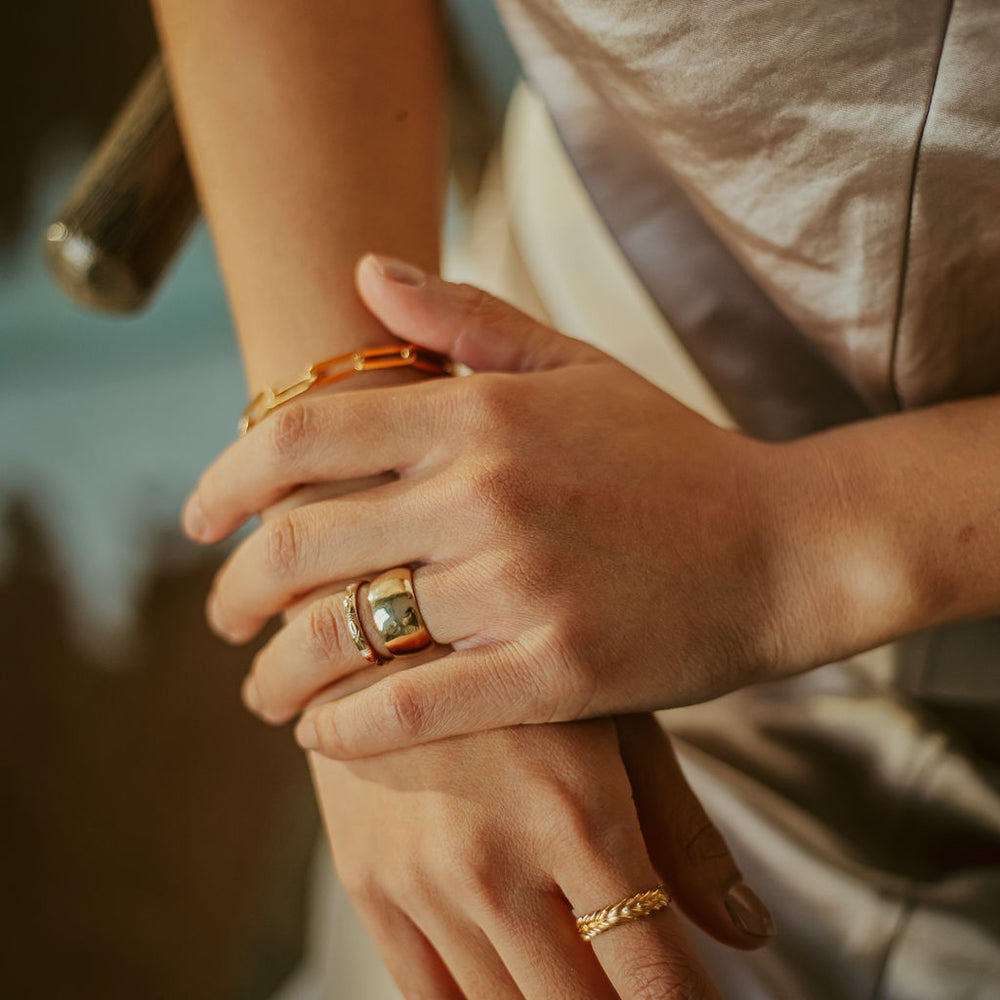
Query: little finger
<point>483,687</point>
<point>687,849</point>
<point>411,959</point>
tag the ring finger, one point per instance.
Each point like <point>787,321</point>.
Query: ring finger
<point>649,956</point>
<point>316,649</point>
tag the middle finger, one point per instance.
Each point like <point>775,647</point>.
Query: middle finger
<point>469,956</point>
<point>539,944</point>
<point>307,547</point>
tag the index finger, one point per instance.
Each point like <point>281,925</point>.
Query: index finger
<point>321,438</point>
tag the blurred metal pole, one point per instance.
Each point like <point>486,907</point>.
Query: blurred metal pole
<point>131,209</point>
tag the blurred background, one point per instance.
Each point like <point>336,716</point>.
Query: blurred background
<point>157,841</point>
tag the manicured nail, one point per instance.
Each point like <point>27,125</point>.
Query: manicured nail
<point>747,911</point>
<point>305,734</point>
<point>399,270</point>
<point>193,519</point>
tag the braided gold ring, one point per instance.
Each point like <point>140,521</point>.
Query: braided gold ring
<point>642,904</point>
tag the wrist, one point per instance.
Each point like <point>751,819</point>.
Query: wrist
<point>839,579</point>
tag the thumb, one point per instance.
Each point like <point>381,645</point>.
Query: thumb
<point>684,846</point>
<point>464,322</point>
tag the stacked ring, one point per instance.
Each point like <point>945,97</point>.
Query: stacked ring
<point>356,632</point>
<point>394,611</point>
<point>396,614</point>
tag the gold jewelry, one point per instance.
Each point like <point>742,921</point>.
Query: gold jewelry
<point>357,633</point>
<point>642,904</point>
<point>343,366</point>
<point>395,612</point>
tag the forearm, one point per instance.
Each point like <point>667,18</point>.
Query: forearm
<point>316,132</point>
<point>898,529</point>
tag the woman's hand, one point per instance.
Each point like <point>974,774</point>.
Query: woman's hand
<point>466,858</point>
<point>586,544</point>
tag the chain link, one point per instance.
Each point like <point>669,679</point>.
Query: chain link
<point>343,366</point>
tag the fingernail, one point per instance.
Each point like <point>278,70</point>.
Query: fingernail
<point>305,734</point>
<point>193,520</point>
<point>399,270</point>
<point>747,911</point>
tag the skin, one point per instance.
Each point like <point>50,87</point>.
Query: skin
<point>599,522</point>
<point>466,888</point>
<point>284,108</point>
<point>467,858</point>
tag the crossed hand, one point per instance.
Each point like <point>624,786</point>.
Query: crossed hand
<point>582,545</point>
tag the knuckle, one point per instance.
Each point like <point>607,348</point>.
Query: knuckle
<point>589,835</point>
<point>573,685</point>
<point>413,885</point>
<point>480,887</point>
<point>673,978</point>
<point>704,842</point>
<point>571,818</point>
<point>478,308</point>
<point>282,543</point>
<point>267,705</point>
<point>323,629</point>
<point>490,402</point>
<point>517,678</point>
<point>481,311</point>
<point>328,735</point>
<point>290,429</point>
<point>472,869</point>
<point>471,313</point>
<point>504,494</point>
<point>403,709</point>
<point>520,566</point>
<point>359,881</point>
<point>566,663</point>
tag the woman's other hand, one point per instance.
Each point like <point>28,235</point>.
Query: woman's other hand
<point>584,543</point>
<point>466,859</point>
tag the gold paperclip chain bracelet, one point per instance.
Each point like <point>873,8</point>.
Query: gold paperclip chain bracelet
<point>344,366</point>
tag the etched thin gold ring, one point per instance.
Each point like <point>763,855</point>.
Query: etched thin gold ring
<point>354,628</point>
<point>642,904</point>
